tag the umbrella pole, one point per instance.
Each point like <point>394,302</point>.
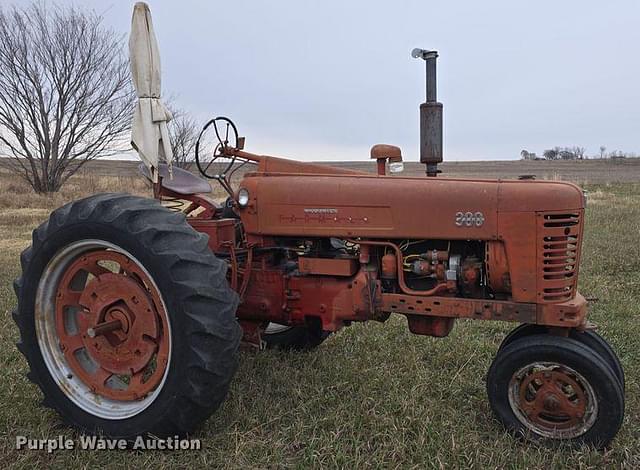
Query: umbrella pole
<point>157,182</point>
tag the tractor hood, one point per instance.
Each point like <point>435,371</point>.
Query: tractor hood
<point>523,196</point>
<point>359,205</point>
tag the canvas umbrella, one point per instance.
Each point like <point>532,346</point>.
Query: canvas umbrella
<point>149,131</point>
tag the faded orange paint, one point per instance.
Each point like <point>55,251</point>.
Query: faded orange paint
<point>528,228</point>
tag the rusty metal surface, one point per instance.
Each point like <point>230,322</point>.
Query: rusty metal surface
<point>252,334</point>
<point>333,300</point>
<point>497,263</point>
<point>519,235</point>
<point>337,301</point>
<point>221,232</point>
<point>471,277</point>
<point>571,313</point>
<point>553,400</point>
<point>265,298</point>
<point>559,239</point>
<point>295,199</point>
<point>431,133</point>
<point>440,287</point>
<point>269,164</point>
<point>375,207</point>
<point>479,309</point>
<point>119,322</point>
<point>328,266</point>
<point>389,266</point>
<point>438,327</point>
<point>384,151</point>
<point>430,115</point>
<point>368,206</point>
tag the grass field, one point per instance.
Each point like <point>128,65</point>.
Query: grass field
<point>373,395</point>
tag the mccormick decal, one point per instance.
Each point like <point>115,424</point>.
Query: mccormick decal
<point>320,210</point>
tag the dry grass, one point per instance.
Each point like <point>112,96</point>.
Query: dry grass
<point>17,194</point>
<point>372,395</point>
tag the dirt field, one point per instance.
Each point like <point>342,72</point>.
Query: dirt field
<point>373,395</point>
<point>583,172</point>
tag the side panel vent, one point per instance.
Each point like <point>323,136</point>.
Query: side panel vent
<point>559,242</point>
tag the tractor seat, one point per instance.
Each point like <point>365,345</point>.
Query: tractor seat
<point>183,181</point>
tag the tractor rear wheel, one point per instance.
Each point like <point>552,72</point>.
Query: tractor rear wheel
<point>126,318</point>
<point>297,338</point>
<point>589,338</point>
<point>555,388</point>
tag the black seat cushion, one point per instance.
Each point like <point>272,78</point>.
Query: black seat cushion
<point>183,181</point>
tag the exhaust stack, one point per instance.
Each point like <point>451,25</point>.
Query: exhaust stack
<point>430,115</point>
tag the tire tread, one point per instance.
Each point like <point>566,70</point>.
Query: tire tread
<point>209,307</point>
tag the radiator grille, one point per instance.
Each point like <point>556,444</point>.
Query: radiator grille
<point>560,238</point>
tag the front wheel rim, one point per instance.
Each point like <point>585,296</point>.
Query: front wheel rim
<point>275,328</point>
<point>553,400</point>
<point>103,329</point>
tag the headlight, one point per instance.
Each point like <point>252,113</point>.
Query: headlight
<point>396,167</point>
<point>243,197</point>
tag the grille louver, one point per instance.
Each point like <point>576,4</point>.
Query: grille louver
<point>560,237</point>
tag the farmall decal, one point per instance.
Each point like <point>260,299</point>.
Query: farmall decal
<point>469,219</point>
<point>327,215</point>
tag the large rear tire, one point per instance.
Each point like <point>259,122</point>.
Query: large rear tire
<point>126,318</point>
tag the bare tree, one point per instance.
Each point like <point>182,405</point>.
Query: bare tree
<point>578,152</point>
<point>603,151</point>
<point>183,134</point>
<point>525,155</point>
<point>65,92</point>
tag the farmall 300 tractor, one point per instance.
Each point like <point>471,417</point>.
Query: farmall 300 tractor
<point>131,310</point>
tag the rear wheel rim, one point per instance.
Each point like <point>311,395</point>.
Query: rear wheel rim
<point>553,400</point>
<point>103,329</point>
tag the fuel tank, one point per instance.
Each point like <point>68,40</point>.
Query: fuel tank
<point>396,207</point>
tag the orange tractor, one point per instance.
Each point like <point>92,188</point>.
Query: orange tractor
<point>131,310</point>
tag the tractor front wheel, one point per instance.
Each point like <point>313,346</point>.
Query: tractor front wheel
<point>589,338</point>
<point>557,389</point>
<point>126,318</point>
<point>297,338</point>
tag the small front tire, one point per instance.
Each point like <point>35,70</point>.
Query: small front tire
<point>589,338</point>
<point>296,338</point>
<point>556,389</point>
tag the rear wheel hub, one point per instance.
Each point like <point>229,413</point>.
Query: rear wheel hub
<point>111,325</point>
<point>129,340</point>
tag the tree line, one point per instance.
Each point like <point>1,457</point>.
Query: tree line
<point>574,153</point>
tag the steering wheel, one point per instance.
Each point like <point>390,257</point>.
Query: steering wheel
<point>226,136</point>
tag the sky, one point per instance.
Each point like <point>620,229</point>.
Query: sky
<point>325,80</point>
